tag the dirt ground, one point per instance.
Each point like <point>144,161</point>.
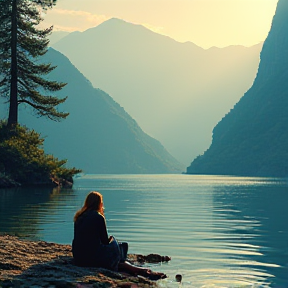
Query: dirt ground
<point>35,264</point>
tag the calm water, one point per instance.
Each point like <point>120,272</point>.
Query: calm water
<point>219,231</point>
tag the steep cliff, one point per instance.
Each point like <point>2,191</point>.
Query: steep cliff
<point>252,139</point>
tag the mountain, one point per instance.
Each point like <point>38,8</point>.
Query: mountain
<point>56,36</point>
<point>252,139</point>
<point>98,136</point>
<point>177,92</point>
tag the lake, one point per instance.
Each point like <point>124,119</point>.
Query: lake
<point>220,231</point>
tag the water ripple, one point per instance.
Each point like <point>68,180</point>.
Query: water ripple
<point>219,231</point>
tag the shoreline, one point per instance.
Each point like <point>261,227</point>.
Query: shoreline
<point>26,263</point>
<point>7,182</point>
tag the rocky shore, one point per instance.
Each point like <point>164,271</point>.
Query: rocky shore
<point>35,264</point>
<point>7,182</point>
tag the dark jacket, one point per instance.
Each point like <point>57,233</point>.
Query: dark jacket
<point>89,232</point>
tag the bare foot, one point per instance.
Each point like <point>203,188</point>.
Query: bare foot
<point>154,275</point>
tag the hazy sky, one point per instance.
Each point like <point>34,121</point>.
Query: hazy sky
<point>204,22</point>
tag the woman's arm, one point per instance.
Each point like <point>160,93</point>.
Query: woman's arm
<point>103,232</point>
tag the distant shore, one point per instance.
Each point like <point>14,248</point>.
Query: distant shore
<point>26,263</point>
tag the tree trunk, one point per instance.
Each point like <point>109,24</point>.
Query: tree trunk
<point>13,109</point>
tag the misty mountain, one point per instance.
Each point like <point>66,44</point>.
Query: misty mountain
<point>252,139</point>
<point>177,92</point>
<point>98,136</point>
<point>56,36</point>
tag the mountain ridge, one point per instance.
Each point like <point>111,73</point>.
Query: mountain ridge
<point>98,136</point>
<point>175,84</point>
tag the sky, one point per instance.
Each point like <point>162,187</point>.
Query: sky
<point>206,23</point>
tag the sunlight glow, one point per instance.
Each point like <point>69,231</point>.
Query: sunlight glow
<point>204,22</point>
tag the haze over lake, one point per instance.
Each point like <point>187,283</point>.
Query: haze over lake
<point>177,92</point>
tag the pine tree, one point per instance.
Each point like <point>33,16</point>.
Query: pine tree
<point>22,74</point>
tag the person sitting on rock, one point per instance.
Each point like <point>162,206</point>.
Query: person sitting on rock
<point>91,246</point>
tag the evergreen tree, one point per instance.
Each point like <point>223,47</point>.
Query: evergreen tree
<point>22,74</point>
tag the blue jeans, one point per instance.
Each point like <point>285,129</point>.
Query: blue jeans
<point>110,255</point>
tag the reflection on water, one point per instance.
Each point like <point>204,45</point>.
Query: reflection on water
<point>219,231</point>
<point>28,212</point>
<point>259,215</point>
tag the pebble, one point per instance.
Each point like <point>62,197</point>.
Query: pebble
<point>178,277</point>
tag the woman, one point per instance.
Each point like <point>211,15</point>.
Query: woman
<point>91,245</point>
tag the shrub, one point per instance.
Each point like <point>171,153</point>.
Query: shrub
<point>22,158</point>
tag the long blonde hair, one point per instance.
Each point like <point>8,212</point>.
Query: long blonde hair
<point>93,201</point>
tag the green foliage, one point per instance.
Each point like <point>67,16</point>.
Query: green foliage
<point>22,75</point>
<point>22,158</point>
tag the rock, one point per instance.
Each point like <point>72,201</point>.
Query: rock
<point>150,258</point>
<point>127,285</point>
<point>7,182</point>
<point>178,277</point>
